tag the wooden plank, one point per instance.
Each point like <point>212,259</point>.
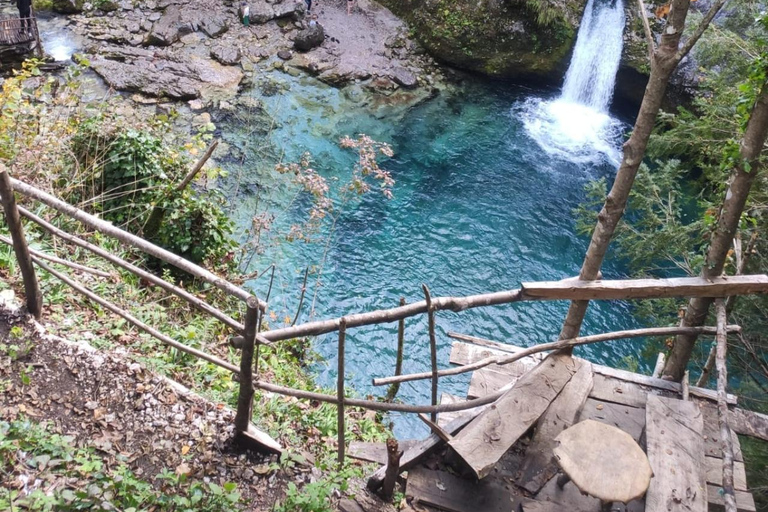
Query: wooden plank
<point>676,451</point>
<point>749,423</point>
<point>375,452</point>
<point>618,391</point>
<point>453,494</point>
<point>713,446</point>
<point>466,353</point>
<point>715,473</point>
<point>629,419</point>
<point>744,500</point>
<point>575,289</point>
<point>653,382</point>
<point>575,501</point>
<point>539,464</point>
<point>504,348</point>
<point>487,380</point>
<point>483,442</point>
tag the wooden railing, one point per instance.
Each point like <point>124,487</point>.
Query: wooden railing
<point>250,336</point>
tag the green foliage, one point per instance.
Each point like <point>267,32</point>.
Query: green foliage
<point>85,481</point>
<point>315,496</point>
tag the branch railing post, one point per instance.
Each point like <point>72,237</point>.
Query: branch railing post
<point>394,388</point>
<point>729,496</point>
<point>340,391</point>
<point>432,347</point>
<point>20,247</point>
<point>245,397</point>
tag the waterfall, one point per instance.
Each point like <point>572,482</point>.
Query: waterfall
<point>592,73</point>
<point>576,126</point>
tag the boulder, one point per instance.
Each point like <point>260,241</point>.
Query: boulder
<point>284,54</point>
<point>226,54</point>
<point>168,29</point>
<point>404,78</point>
<point>213,26</point>
<point>311,37</point>
<point>67,6</point>
<point>262,12</point>
<point>161,78</point>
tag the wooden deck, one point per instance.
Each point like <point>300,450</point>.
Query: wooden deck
<point>514,455</point>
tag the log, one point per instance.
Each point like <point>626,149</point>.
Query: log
<point>496,429</point>
<point>135,321</point>
<point>341,429</point>
<point>432,347</point>
<point>544,347</point>
<point>393,469</point>
<point>574,289</point>
<point>59,261</point>
<point>245,396</point>
<point>729,497</point>
<point>133,240</point>
<point>676,452</point>
<point>152,278</point>
<point>31,288</point>
<point>539,465</point>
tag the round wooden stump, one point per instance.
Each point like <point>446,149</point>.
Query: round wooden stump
<point>603,462</point>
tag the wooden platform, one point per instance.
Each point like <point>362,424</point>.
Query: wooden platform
<point>681,439</point>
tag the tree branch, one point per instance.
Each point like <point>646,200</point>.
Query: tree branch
<point>700,30</point>
<point>648,33</point>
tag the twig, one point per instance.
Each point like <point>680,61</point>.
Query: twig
<point>432,347</point>
<point>648,33</point>
<point>54,259</point>
<point>301,298</point>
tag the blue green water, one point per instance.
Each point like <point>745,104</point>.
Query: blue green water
<point>477,207</point>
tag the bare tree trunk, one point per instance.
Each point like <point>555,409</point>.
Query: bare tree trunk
<point>741,180</point>
<point>665,59</point>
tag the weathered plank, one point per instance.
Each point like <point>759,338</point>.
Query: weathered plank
<point>629,419</point>
<point>375,452</point>
<point>618,391</point>
<point>676,453</point>
<point>466,353</point>
<point>482,443</point>
<point>653,382</point>
<point>570,499</point>
<point>505,348</point>
<point>425,447</point>
<point>749,423</point>
<point>539,464</point>
<point>576,289</point>
<point>487,380</point>
<point>713,446</point>
<point>447,492</point>
<point>715,473</point>
<point>744,500</point>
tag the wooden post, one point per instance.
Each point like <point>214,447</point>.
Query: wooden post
<point>245,398</point>
<point>432,347</point>
<point>394,388</point>
<point>31,288</point>
<point>685,386</point>
<point>340,390</point>
<point>729,496</point>
<point>393,469</point>
<point>659,365</point>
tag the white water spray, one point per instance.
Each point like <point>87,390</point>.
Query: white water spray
<point>577,126</point>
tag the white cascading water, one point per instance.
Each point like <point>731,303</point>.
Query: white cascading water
<point>576,126</point>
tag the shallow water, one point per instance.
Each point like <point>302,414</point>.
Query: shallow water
<point>478,207</point>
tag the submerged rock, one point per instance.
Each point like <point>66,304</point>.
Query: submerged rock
<point>311,37</point>
<point>262,11</point>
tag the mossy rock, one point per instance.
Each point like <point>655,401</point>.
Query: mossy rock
<point>499,38</point>
<point>67,6</point>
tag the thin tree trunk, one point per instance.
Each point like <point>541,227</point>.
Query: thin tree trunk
<point>741,180</point>
<point>665,59</point>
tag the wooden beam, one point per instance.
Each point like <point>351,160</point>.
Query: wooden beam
<point>676,452</point>
<point>497,428</point>
<point>539,464</point>
<point>749,423</point>
<point>574,289</point>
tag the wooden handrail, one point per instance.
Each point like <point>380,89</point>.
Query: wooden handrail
<point>133,240</point>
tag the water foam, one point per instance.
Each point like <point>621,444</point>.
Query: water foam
<point>576,126</point>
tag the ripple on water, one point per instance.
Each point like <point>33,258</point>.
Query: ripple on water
<point>478,207</point>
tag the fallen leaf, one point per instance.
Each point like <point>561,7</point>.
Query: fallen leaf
<point>185,449</point>
<point>183,469</point>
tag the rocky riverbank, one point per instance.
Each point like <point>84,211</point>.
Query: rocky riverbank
<point>200,50</point>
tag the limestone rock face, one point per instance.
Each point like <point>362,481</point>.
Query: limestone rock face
<point>311,37</point>
<point>228,55</point>
<point>168,29</point>
<point>213,26</point>
<point>262,11</point>
<point>501,38</point>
